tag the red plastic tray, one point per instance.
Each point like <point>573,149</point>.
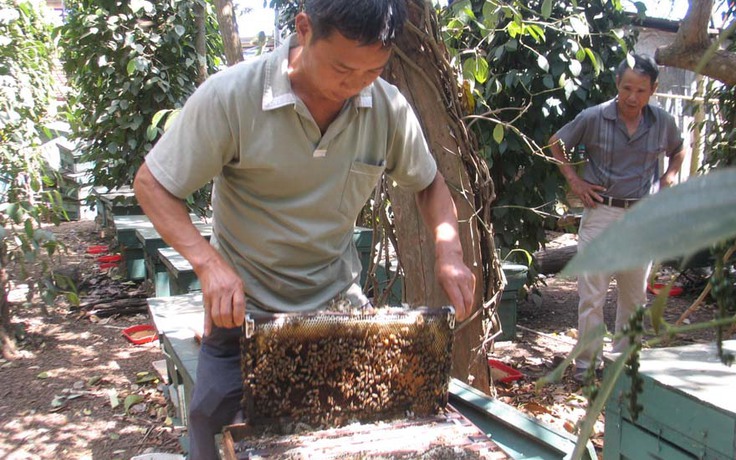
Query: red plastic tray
<point>142,333</point>
<point>109,259</point>
<point>510,373</point>
<point>656,287</point>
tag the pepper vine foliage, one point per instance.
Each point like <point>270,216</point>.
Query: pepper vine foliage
<point>27,196</point>
<point>531,67</point>
<point>126,61</point>
<point>720,152</point>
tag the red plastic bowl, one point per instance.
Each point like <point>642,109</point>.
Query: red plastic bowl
<point>657,287</point>
<point>97,249</point>
<point>509,373</point>
<point>142,333</point>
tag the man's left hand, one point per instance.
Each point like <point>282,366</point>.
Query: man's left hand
<point>667,180</point>
<point>458,282</point>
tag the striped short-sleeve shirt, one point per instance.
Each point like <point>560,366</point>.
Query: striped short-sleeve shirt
<point>627,166</point>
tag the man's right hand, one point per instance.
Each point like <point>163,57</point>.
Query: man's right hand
<point>223,293</point>
<point>222,288</point>
<point>587,192</point>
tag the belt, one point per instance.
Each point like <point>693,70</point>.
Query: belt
<point>619,202</point>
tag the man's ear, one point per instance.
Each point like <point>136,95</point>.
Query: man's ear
<point>303,27</point>
<point>655,86</point>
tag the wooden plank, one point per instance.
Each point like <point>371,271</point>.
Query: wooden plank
<point>178,321</point>
<point>449,433</point>
<point>516,432</point>
<point>126,226</point>
<point>156,271</point>
<point>182,278</point>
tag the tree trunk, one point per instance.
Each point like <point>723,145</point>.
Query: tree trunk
<point>200,42</point>
<point>7,343</point>
<point>692,43</point>
<point>229,31</point>
<point>420,69</point>
<point>551,261</point>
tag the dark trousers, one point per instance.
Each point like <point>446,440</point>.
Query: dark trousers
<point>217,393</point>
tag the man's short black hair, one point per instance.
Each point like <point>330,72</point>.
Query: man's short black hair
<point>643,65</point>
<point>365,21</point>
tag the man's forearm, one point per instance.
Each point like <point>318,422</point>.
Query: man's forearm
<point>675,162</point>
<point>171,219</point>
<point>440,215</point>
<point>565,167</point>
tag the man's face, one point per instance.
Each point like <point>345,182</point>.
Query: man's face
<point>634,91</point>
<point>338,68</point>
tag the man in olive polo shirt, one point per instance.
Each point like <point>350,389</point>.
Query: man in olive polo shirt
<point>296,142</point>
<point>624,139</point>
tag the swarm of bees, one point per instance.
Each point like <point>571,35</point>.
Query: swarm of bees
<point>330,369</point>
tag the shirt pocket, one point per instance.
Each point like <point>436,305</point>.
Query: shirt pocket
<point>361,182</point>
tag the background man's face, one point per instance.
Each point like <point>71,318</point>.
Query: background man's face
<point>634,91</point>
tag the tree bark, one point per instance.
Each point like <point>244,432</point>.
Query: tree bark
<point>551,261</point>
<point>229,31</point>
<point>420,69</point>
<point>200,42</point>
<point>691,45</point>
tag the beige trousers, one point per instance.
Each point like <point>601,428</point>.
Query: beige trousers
<point>592,289</point>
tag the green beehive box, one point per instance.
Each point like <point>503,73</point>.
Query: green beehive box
<point>516,278</point>
<point>363,239</point>
<point>688,410</point>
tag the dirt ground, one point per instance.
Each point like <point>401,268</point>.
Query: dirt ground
<point>79,390</point>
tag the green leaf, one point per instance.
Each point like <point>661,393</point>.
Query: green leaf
<point>630,60</point>
<point>579,26</point>
<point>137,5</point>
<point>43,375</point>
<point>548,81</point>
<point>28,228</point>
<point>171,118</point>
<point>179,29</point>
<point>131,400</point>
<point>676,222</point>
<point>580,54</point>
<point>145,377</point>
<point>546,9</point>
<point>543,63</point>
<point>498,133</point>
<point>14,211</point>
<point>575,68</point>
<point>594,60</point>
<point>158,116</point>
<point>151,132</point>
<point>130,68</point>
<point>481,71</point>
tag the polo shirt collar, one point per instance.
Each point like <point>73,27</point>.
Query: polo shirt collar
<point>277,90</point>
<point>610,111</point>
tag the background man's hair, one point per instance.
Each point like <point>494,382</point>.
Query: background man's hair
<point>366,21</point>
<point>643,64</point>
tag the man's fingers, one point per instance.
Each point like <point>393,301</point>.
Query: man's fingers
<point>207,318</point>
<point>238,308</point>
